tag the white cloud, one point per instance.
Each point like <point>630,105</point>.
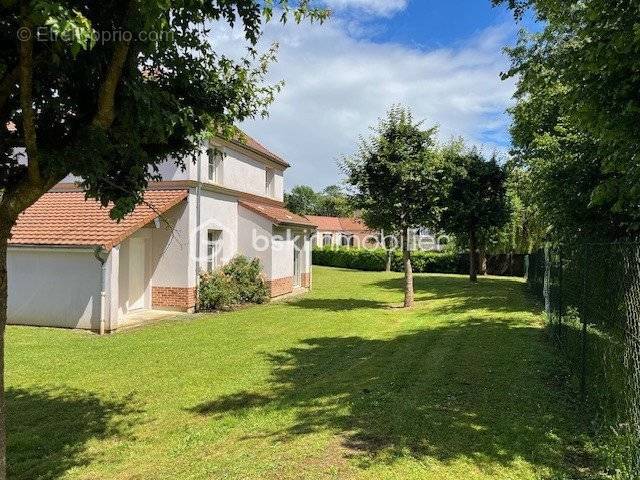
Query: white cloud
<point>337,86</point>
<point>374,7</point>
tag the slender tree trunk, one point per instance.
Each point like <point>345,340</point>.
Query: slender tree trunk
<point>473,245</point>
<point>408,271</point>
<point>4,236</point>
<point>482,261</point>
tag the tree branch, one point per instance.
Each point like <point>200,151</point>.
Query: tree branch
<point>106,99</point>
<point>26,98</point>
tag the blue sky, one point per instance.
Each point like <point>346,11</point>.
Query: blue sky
<point>441,58</point>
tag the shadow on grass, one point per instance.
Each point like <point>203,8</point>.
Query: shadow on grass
<point>336,304</point>
<point>48,431</point>
<point>500,295</point>
<point>480,391</point>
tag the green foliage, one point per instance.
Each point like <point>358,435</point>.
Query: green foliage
<point>526,229</point>
<point>577,116</point>
<point>331,202</point>
<point>239,282</point>
<point>171,88</point>
<point>375,260</point>
<point>302,200</point>
<point>394,174</point>
<point>475,202</point>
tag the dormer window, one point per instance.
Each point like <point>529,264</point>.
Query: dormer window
<point>269,184</point>
<point>215,158</point>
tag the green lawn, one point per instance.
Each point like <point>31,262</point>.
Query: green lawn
<point>340,383</point>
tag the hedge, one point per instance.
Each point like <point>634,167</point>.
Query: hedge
<point>375,260</point>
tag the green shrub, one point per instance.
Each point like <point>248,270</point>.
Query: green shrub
<point>428,262</point>
<point>376,259</point>
<point>355,258</point>
<point>238,282</point>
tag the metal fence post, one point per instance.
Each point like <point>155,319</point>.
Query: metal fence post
<point>560,300</point>
<point>583,318</point>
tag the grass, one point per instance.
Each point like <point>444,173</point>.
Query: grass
<point>340,383</point>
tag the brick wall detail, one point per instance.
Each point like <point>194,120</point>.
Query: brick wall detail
<point>280,286</point>
<point>182,298</point>
<point>306,280</point>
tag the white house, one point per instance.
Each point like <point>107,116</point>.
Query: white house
<point>70,265</point>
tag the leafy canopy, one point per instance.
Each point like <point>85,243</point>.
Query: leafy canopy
<point>576,121</point>
<point>394,174</point>
<point>475,203</point>
<point>110,107</point>
<point>331,202</point>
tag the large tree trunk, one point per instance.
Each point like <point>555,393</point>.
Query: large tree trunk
<point>408,271</point>
<point>473,246</point>
<point>4,238</point>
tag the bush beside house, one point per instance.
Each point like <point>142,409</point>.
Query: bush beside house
<point>422,261</point>
<point>239,282</point>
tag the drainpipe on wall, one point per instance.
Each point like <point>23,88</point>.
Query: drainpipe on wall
<point>102,255</point>
<point>198,195</point>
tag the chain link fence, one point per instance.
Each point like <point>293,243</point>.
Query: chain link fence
<point>591,294</point>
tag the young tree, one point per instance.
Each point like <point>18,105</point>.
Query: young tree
<point>394,177</point>
<point>475,204</point>
<point>302,200</point>
<point>108,90</point>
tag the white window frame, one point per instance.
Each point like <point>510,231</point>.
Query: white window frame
<point>214,249</point>
<point>269,182</point>
<point>347,240</point>
<point>215,161</point>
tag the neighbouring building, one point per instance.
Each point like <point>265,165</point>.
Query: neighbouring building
<point>342,231</point>
<point>353,232</point>
<point>71,266</point>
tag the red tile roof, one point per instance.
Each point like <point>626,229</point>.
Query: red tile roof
<point>67,218</point>
<point>338,224</point>
<point>276,214</point>
<point>252,144</point>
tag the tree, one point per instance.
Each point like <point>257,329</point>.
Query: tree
<point>395,180</point>
<point>302,200</point>
<point>475,204</point>
<point>578,110</point>
<point>108,90</point>
<point>527,228</point>
<point>563,164</point>
<point>331,202</point>
<point>334,202</point>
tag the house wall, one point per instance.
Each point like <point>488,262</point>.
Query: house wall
<point>217,212</point>
<point>123,273</point>
<point>171,257</point>
<point>239,172</point>
<point>360,239</point>
<point>281,281</point>
<point>254,238</point>
<point>54,287</point>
